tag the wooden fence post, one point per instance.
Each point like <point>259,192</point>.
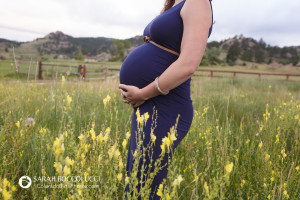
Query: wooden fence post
<point>287,77</point>
<point>234,73</point>
<point>79,72</point>
<point>84,72</point>
<point>105,73</point>
<point>40,70</point>
<point>211,74</point>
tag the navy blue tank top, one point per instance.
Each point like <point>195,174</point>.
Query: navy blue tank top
<point>148,61</point>
<point>167,28</point>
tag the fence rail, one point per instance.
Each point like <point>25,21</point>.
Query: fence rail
<point>84,72</point>
<point>234,73</point>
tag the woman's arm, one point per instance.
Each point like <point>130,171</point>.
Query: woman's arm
<point>196,16</point>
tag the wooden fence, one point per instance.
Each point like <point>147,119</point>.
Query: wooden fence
<point>212,74</point>
<point>50,71</point>
<point>83,72</point>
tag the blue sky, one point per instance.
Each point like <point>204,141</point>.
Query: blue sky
<point>276,21</point>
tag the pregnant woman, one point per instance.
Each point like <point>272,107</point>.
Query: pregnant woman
<point>155,77</point>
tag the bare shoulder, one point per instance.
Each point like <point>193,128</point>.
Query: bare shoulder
<point>197,10</point>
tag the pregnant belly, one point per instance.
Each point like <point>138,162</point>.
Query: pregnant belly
<point>144,64</point>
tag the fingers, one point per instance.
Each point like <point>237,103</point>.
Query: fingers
<point>123,93</point>
<point>123,87</point>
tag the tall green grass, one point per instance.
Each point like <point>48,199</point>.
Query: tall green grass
<point>243,143</point>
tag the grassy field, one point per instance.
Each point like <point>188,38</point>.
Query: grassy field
<point>7,70</point>
<point>243,143</point>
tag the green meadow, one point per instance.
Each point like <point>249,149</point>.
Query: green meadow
<point>243,144</point>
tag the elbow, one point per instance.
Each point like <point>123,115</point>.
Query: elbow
<point>191,70</point>
<point>191,66</point>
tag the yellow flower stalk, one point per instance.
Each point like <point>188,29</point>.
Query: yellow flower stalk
<point>58,167</point>
<point>126,180</point>
<point>159,191</point>
<point>69,100</point>
<point>128,135</point>
<point>93,134</point>
<point>67,171</point>
<point>146,117</point>
<point>153,138</point>
<point>206,189</point>
<point>243,183</point>
<point>267,157</point>
<point>121,165</point>
<point>124,143</point>
<point>18,124</point>
<point>69,162</point>
<point>119,177</point>
<point>43,131</point>
<point>177,181</point>
<point>229,167</point>
<point>80,137</point>
<point>63,79</point>
<point>58,146</point>
<point>283,153</point>
<point>106,100</point>
<point>6,194</point>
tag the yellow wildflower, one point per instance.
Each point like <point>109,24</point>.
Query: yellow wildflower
<point>124,143</point>
<point>153,138</point>
<point>119,177</point>
<point>69,100</point>
<point>6,194</point>
<point>128,135</point>
<point>126,180</point>
<point>93,134</point>
<point>159,191</point>
<point>177,181</point>
<point>43,131</point>
<point>260,144</point>
<point>229,167</point>
<point>80,137</point>
<point>286,194</point>
<point>63,79</point>
<point>297,168</point>
<point>121,165</point>
<point>206,189</point>
<point>267,157</point>
<point>146,117</point>
<point>69,162</point>
<point>283,153</point>
<point>58,167</point>
<point>67,171</point>
<point>18,124</point>
<point>168,197</point>
<point>243,183</point>
<point>106,100</point>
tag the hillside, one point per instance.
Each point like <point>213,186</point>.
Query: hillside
<point>57,45</point>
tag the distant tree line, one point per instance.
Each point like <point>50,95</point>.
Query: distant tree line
<point>248,49</point>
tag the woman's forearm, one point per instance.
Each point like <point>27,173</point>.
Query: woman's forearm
<point>177,73</point>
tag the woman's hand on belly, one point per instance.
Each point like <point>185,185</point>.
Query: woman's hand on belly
<point>131,95</point>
